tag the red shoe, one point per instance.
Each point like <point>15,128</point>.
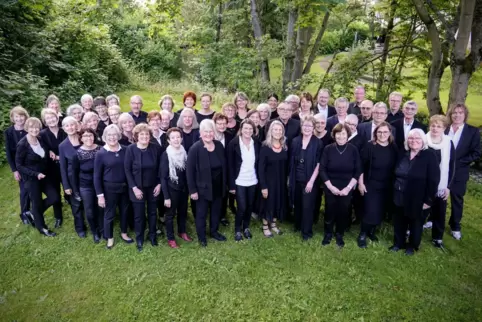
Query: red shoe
<point>172,244</point>
<point>185,237</point>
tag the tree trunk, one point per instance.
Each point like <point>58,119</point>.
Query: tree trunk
<point>437,60</point>
<point>258,36</point>
<point>462,65</point>
<point>303,37</point>
<point>290,48</point>
<point>316,45</point>
<point>219,22</point>
<point>386,46</point>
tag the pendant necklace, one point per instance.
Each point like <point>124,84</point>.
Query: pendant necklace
<point>340,152</point>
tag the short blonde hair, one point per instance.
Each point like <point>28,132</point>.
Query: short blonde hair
<point>180,121</point>
<point>264,106</point>
<point>109,129</point>
<point>112,97</point>
<point>442,119</point>
<point>19,110</point>
<point>142,127</point>
<point>88,116</point>
<point>123,118</point>
<point>114,108</point>
<point>166,97</point>
<point>32,122</point>
<point>308,118</point>
<point>51,98</point>
<point>86,97</point>
<point>240,95</point>
<point>68,120</point>
<point>72,108</point>
<point>421,133</point>
<point>48,111</point>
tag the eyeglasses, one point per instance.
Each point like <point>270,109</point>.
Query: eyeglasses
<point>411,109</point>
<point>307,126</point>
<point>414,139</point>
<point>87,136</point>
<point>383,132</point>
<point>350,124</point>
<point>380,113</point>
<point>116,114</point>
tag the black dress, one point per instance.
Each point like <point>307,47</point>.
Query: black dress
<point>378,171</point>
<point>272,174</point>
<point>200,117</point>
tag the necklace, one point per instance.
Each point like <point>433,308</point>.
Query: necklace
<point>341,152</point>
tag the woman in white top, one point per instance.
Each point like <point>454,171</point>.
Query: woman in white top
<point>243,154</point>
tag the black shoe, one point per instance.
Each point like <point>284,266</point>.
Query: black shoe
<point>224,222</point>
<point>160,231</point>
<point>437,244</point>
<point>326,240</point>
<point>96,238</point>
<point>394,248</point>
<point>24,219</point>
<point>306,238</point>
<point>339,241</point>
<point>154,242</point>
<point>238,236</point>
<point>139,246</point>
<point>409,252</point>
<point>233,210</point>
<point>48,233</point>
<point>127,241</point>
<point>373,238</point>
<point>58,222</point>
<point>362,241</point>
<point>218,236</point>
<point>30,218</point>
<point>82,234</point>
<point>203,243</point>
<point>247,234</point>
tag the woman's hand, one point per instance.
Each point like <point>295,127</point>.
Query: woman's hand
<point>17,176</point>
<point>68,192</point>
<point>334,190</point>
<point>157,190</point>
<point>425,206</point>
<point>233,192</point>
<point>40,176</point>
<point>167,203</point>
<point>101,201</point>
<point>362,188</point>
<point>345,191</point>
<point>195,196</point>
<point>309,187</point>
<point>52,155</point>
<point>264,192</point>
<point>137,193</point>
<point>446,194</point>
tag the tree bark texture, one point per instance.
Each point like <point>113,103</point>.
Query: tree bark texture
<point>258,36</point>
<point>290,48</point>
<point>316,45</point>
<point>386,46</point>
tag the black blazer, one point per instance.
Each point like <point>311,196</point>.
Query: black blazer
<point>466,152</point>
<point>398,126</point>
<point>292,130</point>
<point>421,183</point>
<point>331,122</point>
<point>29,164</point>
<point>198,169</point>
<point>235,160</point>
<point>166,183</point>
<point>12,137</point>
<point>133,165</point>
<point>358,141</point>
<point>394,117</point>
<point>365,131</point>
<point>331,110</point>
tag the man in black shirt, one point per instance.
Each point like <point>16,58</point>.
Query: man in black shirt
<point>355,107</point>
<point>366,107</point>
<point>395,102</point>
<point>292,127</point>
<point>136,112</point>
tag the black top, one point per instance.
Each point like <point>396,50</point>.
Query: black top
<point>398,125</point>
<point>166,183</point>
<point>142,166</point>
<point>361,119</point>
<point>274,115</point>
<point>142,118</point>
<point>216,173</point>
<point>124,141</point>
<point>12,137</point>
<point>340,168</point>
<point>67,154</point>
<point>52,142</point>
<point>200,117</point>
<point>28,163</point>
<point>188,139</point>
<point>233,131</point>
<point>84,168</point>
<point>327,139</point>
<point>109,168</point>
<point>466,152</point>
<point>378,163</point>
<point>358,141</point>
<point>292,130</point>
<point>173,122</point>
<point>354,108</point>
<point>260,137</point>
<point>300,174</point>
<point>393,117</point>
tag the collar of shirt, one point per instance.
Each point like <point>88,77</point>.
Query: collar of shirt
<point>407,124</point>
<point>107,148</point>
<point>353,135</point>
<point>322,108</point>
<point>460,128</point>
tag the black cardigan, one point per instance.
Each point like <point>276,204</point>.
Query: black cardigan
<point>29,164</point>
<point>166,183</point>
<point>12,137</point>
<point>466,152</point>
<point>198,169</point>
<point>133,164</point>
<point>235,160</point>
<point>421,182</point>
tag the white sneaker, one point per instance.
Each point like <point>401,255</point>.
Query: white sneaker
<point>254,216</point>
<point>457,235</point>
<point>428,225</point>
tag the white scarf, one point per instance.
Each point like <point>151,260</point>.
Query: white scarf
<point>444,147</point>
<point>177,160</point>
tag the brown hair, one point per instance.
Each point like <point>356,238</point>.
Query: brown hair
<point>87,130</point>
<point>207,95</point>
<point>189,94</point>
<point>142,127</point>
<point>383,124</point>
<point>308,118</point>
<point>339,128</point>
<point>249,122</point>
<point>251,112</point>
<point>307,96</point>
<point>153,114</point>
<point>19,110</point>
<point>166,97</point>
<point>452,108</point>
<point>219,116</point>
<point>173,129</point>
<point>32,121</point>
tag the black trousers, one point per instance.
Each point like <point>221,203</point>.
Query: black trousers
<point>139,206</point>
<point>56,180</point>
<point>457,194</point>
<point>304,209</point>
<point>245,201</point>
<point>337,212</point>
<point>401,223</point>
<point>438,212</point>
<point>202,206</point>
<point>77,208</point>
<point>316,210</point>
<point>35,189</point>
<point>24,198</point>
<point>367,229</point>
<point>161,210</point>
<point>93,213</point>
<point>357,204</point>
<point>113,201</point>
<point>178,207</point>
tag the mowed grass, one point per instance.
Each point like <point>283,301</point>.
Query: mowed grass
<point>67,278</point>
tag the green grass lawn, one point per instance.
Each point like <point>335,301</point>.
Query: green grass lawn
<point>67,278</point>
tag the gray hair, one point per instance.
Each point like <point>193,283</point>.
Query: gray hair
<point>420,133</point>
<point>292,97</point>
<point>165,113</point>
<point>341,100</point>
<point>359,87</point>
<point>88,116</point>
<point>124,117</point>
<point>269,137</point>
<point>186,110</point>
<point>324,90</point>
<point>136,96</point>
<point>352,117</point>
<point>86,97</point>
<point>72,108</point>
<point>395,94</point>
<point>412,103</point>
<point>206,124</point>
<point>320,116</point>
<point>68,120</point>
<point>111,97</point>
<point>264,106</point>
<point>109,129</point>
<point>380,105</point>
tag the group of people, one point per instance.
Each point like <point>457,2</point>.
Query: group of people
<point>370,161</point>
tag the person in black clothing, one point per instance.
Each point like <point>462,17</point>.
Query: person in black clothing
<point>355,107</point>
<point>111,184</point>
<point>100,107</point>
<point>83,182</point>
<point>417,175</point>
<point>292,127</point>
<point>466,139</point>
<point>294,102</point>
<point>322,106</point>
<point>325,137</point>
<point>52,136</point>
<point>13,134</point>
<point>205,112</point>
<point>126,124</point>
<point>303,176</point>
<point>241,102</point>
<point>190,128</point>
<point>339,170</point>
<point>365,115</point>
<point>67,153</point>
<point>136,112</point>
<point>31,160</point>
<point>229,109</point>
<point>272,172</point>
<point>143,178</point>
<point>341,105</point>
<point>76,111</point>
<point>206,179</point>
<point>166,103</point>
<point>221,135</point>
<point>395,102</point>
<point>273,104</point>
<point>404,125</point>
<point>53,102</point>
<point>444,150</point>
<point>264,115</point>
<point>91,121</point>
<point>174,186</point>
<point>375,184</point>
<point>243,153</point>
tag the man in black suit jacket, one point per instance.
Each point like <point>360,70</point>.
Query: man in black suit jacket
<point>341,105</point>
<point>355,107</point>
<point>366,108</point>
<point>322,104</point>
<point>466,140</point>
<point>365,130</point>
<point>408,122</point>
<point>394,101</point>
